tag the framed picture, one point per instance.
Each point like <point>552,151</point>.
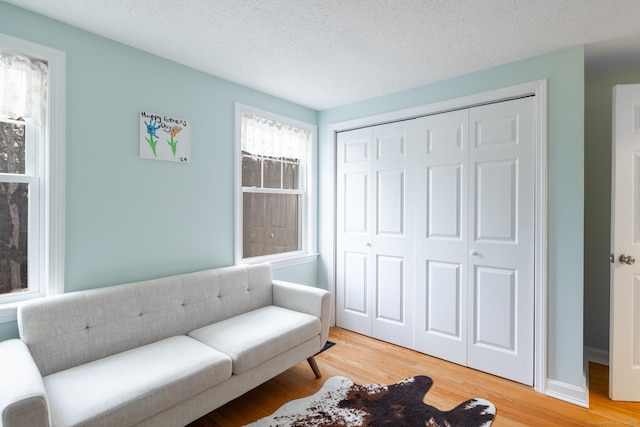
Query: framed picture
<point>164,138</point>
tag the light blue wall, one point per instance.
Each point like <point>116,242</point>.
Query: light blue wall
<point>597,217</point>
<point>8,330</point>
<point>565,73</point>
<point>130,219</point>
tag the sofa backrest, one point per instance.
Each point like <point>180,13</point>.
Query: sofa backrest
<point>75,328</point>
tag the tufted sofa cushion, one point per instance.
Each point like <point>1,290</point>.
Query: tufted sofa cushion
<point>255,337</point>
<point>127,388</point>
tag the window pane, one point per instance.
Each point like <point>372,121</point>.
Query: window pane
<point>14,206</point>
<point>12,147</point>
<point>272,173</point>
<point>271,224</point>
<point>251,171</point>
<point>290,179</point>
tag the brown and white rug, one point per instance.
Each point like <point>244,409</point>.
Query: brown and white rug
<point>342,403</point>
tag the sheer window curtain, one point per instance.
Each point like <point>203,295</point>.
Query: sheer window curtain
<point>268,138</point>
<point>23,88</point>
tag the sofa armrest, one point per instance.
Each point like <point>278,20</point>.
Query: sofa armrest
<point>23,398</point>
<point>305,299</point>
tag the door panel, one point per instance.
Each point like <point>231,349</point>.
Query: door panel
<point>501,250</point>
<point>635,217</point>
<point>500,131</point>
<point>390,204</point>
<point>353,229</point>
<point>444,201</point>
<point>441,233</point>
<point>624,351</point>
<point>390,146</point>
<point>443,293</point>
<point>355,203</point>
<point>393,242</point>
<point>390,289</point>
<point>357,150</point>
<point>496,205</point>
<point>355,274</point>
<point>495,308</point>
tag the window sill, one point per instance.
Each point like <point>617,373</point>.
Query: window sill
<point>291,261</point>
<point>9,309</point>
<point>284,261</point>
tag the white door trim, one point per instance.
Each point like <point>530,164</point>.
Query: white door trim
<point>537,88</point>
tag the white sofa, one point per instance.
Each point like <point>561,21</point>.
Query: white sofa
<point>161,352</point>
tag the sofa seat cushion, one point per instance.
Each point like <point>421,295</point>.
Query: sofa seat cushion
<point>259,335</point>
<point>128,387</point>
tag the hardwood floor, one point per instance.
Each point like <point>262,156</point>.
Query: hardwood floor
<point>366,361</point>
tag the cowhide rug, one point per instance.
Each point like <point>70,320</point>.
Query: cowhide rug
<point>342,403</point>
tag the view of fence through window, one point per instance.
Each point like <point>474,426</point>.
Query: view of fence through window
<point>271,221</point>
<point>274,160</point>
<point>14,204</point>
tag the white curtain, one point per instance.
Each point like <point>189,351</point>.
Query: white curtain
<point>265,137</point>
<point>23,88</point>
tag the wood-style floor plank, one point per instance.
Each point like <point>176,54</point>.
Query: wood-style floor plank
<point>368,361</point>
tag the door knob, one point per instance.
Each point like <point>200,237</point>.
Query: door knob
<point>473,253</point>
<point>627,259</point>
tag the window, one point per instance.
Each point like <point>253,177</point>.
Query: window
<point>276,187</point>
<point>19,206</point>
<point>31,172</point>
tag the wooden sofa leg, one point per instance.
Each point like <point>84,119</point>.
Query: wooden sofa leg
<point>314,367</point>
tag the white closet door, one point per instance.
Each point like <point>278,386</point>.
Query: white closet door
<point>435,235</point>
<point>375,238</point>
<point>354,267</point>
<point>393,234</point>
<point>441,233</point>
<point>500,270</point>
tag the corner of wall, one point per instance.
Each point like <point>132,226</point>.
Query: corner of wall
<point>568,392</point>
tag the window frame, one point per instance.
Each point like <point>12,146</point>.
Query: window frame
<point>50,229</point>
<point>308,189</point>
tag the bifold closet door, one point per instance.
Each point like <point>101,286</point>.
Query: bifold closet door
<point>375,240</point>
<point>475,229</point>
<point>442,242</point>
<point>353,230</point>
<point>501,244</point>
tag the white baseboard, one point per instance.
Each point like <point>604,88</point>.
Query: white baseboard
<point>596,355</point>
<point>567,392</point>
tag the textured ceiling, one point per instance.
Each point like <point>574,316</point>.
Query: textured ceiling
<point>326,53</point>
